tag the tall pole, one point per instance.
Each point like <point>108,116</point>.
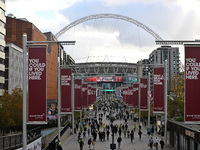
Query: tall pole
<point>24,91</point>
<point>72,103</point>
<point>149,102</point>
<point>81,118</point>
<point>139,103</point>
<point>58,93</point>
<point>165,102</point>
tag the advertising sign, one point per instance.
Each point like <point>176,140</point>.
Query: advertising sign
<point>158,89</point>
<point>93,95</point>
<point>78,94</point>
<point>192,83</point>
<point>136,95</point>
<point>105,79</point>
<point>37,80</point>
<point>66,86</point>
<point>89,95</point>
<point>130,96</point>
<point>143,93</point>
<point>124,96</point>
<point>84,95</point>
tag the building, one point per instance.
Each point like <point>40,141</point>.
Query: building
<point>15,28</point>
<point>2,45</point>
<point>171,54</point>
<point>13,67</point>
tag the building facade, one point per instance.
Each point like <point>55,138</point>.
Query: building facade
<point>15,28</point>
<point>171,54</point>
<point>13,67</point>
<point>2,45</point>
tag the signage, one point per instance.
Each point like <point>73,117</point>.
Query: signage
<point>158,89</point>
<point>37,80</point>
<point>143,93</point>
<point>66,87</point>
<point>192,83</point>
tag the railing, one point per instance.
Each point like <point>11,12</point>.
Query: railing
<point>52,143</point>
<point>15,140</point>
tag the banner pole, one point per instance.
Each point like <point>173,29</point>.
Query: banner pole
<point>24,91</point>
<point>59,93</point>
<point>139,102</point>
<point>149,102</point>
<point>72,103</point>
<point>165,102</point>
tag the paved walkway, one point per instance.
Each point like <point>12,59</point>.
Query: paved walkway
<point>69,142</point>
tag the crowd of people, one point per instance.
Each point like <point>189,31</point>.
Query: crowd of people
<point>96,129</point>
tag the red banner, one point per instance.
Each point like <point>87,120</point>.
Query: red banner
<point>192,83</point>
<point>124,96</point>
<point>37,79</point>
<point>143,94</point>
<point>93,95</point>
<point>84,95</point>
<point>66,86</point>
<point>136,95</point>
<point>78,94</point>
<point>89,96</point>
<point>158,90</point>
<point>130,96</point>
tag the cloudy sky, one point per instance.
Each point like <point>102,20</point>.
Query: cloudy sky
<point>112,39</point>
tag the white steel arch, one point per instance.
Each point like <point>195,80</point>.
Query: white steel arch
<point>114,16</point>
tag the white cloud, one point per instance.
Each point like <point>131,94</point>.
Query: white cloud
<point>36,11</point>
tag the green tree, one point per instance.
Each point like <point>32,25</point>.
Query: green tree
<point>11,108</point>
<point>176,98</point>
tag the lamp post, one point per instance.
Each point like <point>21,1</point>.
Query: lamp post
<point>165,102</point>
<point>149,102</point>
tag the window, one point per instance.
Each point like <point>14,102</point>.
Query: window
<point>2,24</point>
<point>2,11</point>
<point>2,37</point>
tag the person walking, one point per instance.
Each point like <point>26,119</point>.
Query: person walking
<point>156,143</point>
<point>119,139</point>
<point>140,134</point>
<point>162,144</point>
<point>151,142</point>
<point>89,143</point>
<point>88,132</point>
<point>108,133</point>
<point>132,135</point>
<point>81,143</point>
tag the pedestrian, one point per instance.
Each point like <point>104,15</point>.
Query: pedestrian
<point>59,147</point>
<point>134,127</point>
<point>89,143</point>
<point>81,143</point>
<point>151,143</point>
<point>132,135</point>
<point>119,139</point>
<point>140,134</point>
<point>124,133</point>
<point>128,133</point>
<point>156,143</point>
<point>93,143</point>
<point>88,131</point>
<point>108,132</point>
<point>162,144</point>
<point>84,134</point>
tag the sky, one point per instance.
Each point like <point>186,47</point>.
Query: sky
<point>108,39</point>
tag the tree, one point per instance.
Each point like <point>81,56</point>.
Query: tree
<point>176,97</point>
<point>11,108</point>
